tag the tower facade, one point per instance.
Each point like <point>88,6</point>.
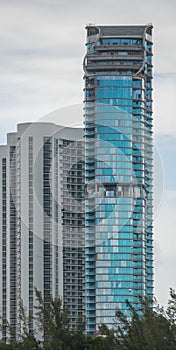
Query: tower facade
<point>73,224</point>
<point>118,169</point>
<point>42,221</point>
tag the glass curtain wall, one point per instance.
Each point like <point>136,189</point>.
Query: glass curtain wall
<point>118,165</point>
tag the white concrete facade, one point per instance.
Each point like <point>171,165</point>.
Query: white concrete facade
<point>34,230</point>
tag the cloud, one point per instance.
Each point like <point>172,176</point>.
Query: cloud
<point>42,48</point>
<point>164,103</point>
<point>165,243</point>
<point>167,149</point>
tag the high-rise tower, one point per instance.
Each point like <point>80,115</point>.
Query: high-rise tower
<point>41,221</point>
<point>118,169</point>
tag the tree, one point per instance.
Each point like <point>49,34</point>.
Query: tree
<point>28,339</point>
<point>96,343</point>
<point>111,339</point>
<point>78,337</point>
<point>4,346</point>
<point>150,328</point>
<point>53,321</point>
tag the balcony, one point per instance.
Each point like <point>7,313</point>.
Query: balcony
<point>101,57</point>
<point>118,46</point>
<point>113,65</point>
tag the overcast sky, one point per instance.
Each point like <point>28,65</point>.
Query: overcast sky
<point>41,53</point>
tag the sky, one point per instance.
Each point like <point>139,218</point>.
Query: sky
<point>41,53</point>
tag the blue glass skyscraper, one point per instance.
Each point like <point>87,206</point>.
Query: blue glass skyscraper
<point>118,169</point>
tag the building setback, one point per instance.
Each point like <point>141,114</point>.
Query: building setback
<point>118,169</point>
<point>42,220</point>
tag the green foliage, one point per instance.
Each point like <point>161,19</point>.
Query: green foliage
<point>4,346</point>
<point>153,328</point>
<point>78,338</point>
<point>97,343</point>
<point>29,343</point>
<point>53,321</point>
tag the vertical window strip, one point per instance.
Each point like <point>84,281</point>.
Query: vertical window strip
<point>47,212</point>
<point>30,228</point>
<point>4,233</point>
